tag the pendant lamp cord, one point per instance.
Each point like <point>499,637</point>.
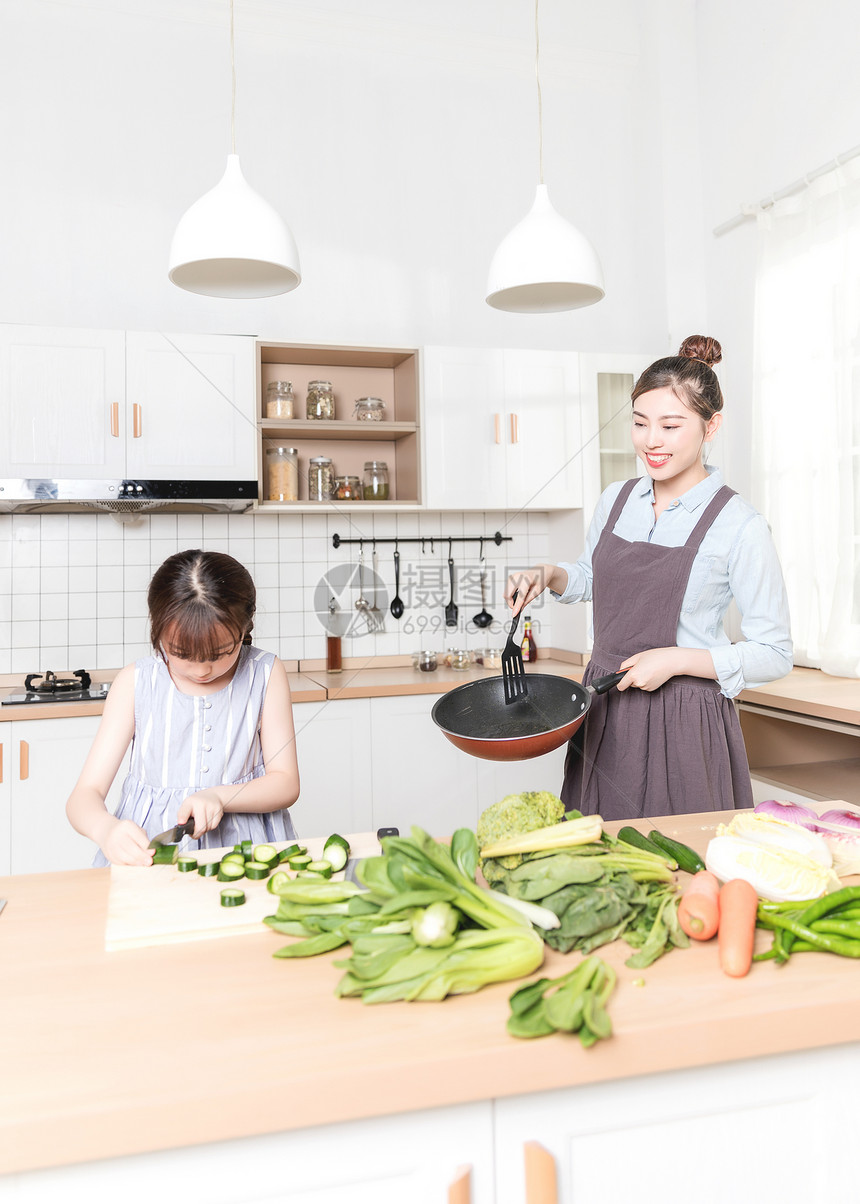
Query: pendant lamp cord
<point>233,85</point>
<point>540,102</point>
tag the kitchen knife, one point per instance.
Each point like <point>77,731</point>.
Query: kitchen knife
<point>173,835</point>
<point>349,871</point>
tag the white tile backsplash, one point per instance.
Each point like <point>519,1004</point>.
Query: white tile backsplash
<point>75,595</point>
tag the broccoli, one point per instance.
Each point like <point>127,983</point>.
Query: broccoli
<point>513,815</point>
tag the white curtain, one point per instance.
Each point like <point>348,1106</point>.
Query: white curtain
<point>806,426</point>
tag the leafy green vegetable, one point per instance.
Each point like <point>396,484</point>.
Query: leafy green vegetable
<point>513,815</point>
<point>435,925</point>
<point>574,1003</point>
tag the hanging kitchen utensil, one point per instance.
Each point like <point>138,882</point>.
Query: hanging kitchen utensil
<point>396,602</point>
<point>477,719</point>
<point>483,618</point>
<point>361,603</point>
<point>451,610</point>
<point>375,615</point>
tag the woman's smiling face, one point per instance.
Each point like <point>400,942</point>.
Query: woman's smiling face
<point>668,438</point>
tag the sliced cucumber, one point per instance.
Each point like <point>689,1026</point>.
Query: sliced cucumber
<point>236,857</point>
<point>322,867</point>
<point>277,880</point>
<point>311,874</point>
<point>247,848</point>
<point>186,864</point>
<point>232,897</point>
<point>292,850</point>
<point>230,871</point>
<point>209,869</point>
<point>255,870</point>
<point>300,861</point>
<point>165,854</point>
<point>266,854</point>
<point>336,850</point>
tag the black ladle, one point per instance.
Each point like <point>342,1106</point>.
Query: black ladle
<point>396,601</point>
<point>451,610</point>
<point>483,618</point>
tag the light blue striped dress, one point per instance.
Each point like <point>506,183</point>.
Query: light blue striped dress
<point>183,743</point>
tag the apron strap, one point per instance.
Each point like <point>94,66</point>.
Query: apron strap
<point>623,494</point>
<point>716,504</point>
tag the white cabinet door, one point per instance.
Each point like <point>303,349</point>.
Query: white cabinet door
<point>465,429</point>
<point>419,777</point>
<point>333,748</point>
<point>496,779</point>
<point>62,394</point>
<point>5,797</point>
<point>46,759</point>
<point>191,402</point>
<point>543,430</point>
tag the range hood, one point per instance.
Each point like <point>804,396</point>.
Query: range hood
<point>47,496</point>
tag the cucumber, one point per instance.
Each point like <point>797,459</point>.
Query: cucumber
<point>237,857</point>
<point>209,869</point>
<point>266,854</point>
<point>186,864</point>
<point>688,859</point>
<point>277,880</point>
<point>292,850</point>
<point>300,861</point>
<point>247,849</point>
<point>311,874</point>
<point>232,897</point>
<point>165,854</point>
<point>230,871</point>
<point>635,838</point>
<point>255,870</point>
<point>323,868</point>
<point>336,850</point>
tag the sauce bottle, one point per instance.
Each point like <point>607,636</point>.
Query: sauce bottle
<point>528,646</point>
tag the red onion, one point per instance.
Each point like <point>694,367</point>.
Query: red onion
<point>789,813</point>
<point>849,819</point>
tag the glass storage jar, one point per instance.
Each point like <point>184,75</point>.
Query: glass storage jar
<point>282,474</point>
<point>376,488</point>
<point>369,409</point>
<point>320,402</point>
<point>347,489</point>
<point>320,479</point>
<point>279,399</point>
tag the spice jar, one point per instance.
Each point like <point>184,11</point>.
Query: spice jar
<point>282,474</point>
<point>458,658</point>
<point>279,399</point>
<point>376,481</point>
<point>320,479</point>
<point>369,409</point>
<point>426,661</point>
<point>320,403</point>
<point>347,489</point>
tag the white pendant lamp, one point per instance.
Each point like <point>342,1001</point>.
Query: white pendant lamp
<point>544,265</point>
<point>232,243</point>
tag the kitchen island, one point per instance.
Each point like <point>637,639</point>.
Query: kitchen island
<point>129,1055</point>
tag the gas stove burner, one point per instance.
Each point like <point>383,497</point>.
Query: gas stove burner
<point>50,683</point>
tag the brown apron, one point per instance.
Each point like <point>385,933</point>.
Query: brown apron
<point>669,751</point>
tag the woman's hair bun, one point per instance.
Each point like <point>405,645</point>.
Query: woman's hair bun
<point>700,347</point>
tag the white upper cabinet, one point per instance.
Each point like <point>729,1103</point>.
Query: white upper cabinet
<point>95,404</point>
<point>503,429</point>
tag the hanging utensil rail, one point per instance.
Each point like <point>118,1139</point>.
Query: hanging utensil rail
<point>497,539</point>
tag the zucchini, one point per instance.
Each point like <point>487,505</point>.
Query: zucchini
<point>209,869</point>
<point>336,850</point>
<point>165,854</point>
<point>255,870</point>
<point>232,897</point>
<point>634,837</point>
<point>267,854</point>
<point>300,861</point>
<point>322,867</point>
<point>230,871</point>
<point>688,859</point>
<point>292,850</point>
<point>186,864</point>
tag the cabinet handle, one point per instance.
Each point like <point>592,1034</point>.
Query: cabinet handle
<point>515,429</point>
<point>498,422</point>
<point>114,419</point>
<point>136,412</point>
<point>541,1182</point>
<point>24,761</point>
<point>1,762</point>
<point>460,1190</point>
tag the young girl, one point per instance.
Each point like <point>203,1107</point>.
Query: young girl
<point>664,556</point>
<point>209,719</point>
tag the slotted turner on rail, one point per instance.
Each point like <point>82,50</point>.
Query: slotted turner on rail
<point>513,670</point>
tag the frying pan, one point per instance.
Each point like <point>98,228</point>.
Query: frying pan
<point>476,719</point>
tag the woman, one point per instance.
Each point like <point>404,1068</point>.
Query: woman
<point>664,557</point>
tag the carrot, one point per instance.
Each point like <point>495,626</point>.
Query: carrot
<point>699,909</point>
<point>738,906</point>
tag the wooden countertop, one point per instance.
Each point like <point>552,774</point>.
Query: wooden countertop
<point>110,1054</point>
<point>810,692</point>
<point>390,681</point>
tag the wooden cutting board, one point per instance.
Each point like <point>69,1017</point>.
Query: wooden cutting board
<point>156,905</point>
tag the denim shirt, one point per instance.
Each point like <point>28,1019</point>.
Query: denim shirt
<point>736,560</point>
